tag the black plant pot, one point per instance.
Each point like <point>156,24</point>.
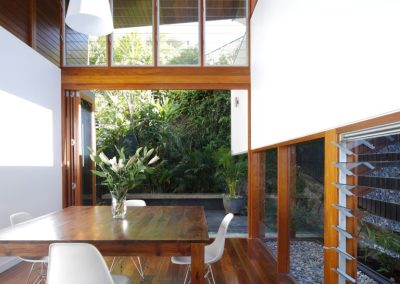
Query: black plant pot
<point>233,205</point>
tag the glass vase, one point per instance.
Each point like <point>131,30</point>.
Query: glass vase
<point>118,206</point>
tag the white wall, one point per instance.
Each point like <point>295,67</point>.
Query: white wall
<point>320,64</point>
<point>30,132</point>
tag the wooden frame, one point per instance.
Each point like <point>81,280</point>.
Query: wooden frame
<point>331,215</point>
<point>250,7</point>
<point>286,181</point>
<point>257,186</point>
<point>93,143</point>
<point>113,78</point>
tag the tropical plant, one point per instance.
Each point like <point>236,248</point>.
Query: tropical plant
<point>121,174</point>
<point>185,127</point>
<point>231,169</point>
<point>381,245</point>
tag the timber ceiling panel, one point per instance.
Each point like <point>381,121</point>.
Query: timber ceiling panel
<point>14,16</point>
<point>47,30</point>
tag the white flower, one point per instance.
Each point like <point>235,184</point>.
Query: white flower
<point>114,165</point>
<point>121,163</point>
<point>154,159</point>
<point>104,158</point>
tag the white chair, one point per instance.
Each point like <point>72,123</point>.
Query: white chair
<point>138,265</point>
<point>212,253</point>
<point>79,263</point>
<point>41,272</point>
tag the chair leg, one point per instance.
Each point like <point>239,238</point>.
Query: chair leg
<point>114,261</point>
<point>30,273</point>
<point>212,274</point>
<point>43,272</point>
<point>186,273</point>
<point>138,266</point>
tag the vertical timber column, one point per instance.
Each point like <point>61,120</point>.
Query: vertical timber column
<point>331,214</point>
<point>257,196</point>
<point>286,182</point>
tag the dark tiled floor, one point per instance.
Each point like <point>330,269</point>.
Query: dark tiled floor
<point>237,227</point>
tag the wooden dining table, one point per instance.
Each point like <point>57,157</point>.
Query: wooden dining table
<point>149,230</point>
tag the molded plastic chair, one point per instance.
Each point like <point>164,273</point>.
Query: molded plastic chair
<point>41,273</point>
<point>138,265</point>
<point>212,253</point>
<point>79,263</point>
<point>135,202</point>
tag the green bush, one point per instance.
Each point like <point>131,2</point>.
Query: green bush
<point>185,127</point>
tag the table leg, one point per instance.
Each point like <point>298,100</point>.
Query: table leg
<point>197,251</point>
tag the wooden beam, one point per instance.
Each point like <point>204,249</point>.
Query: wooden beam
<point>256,196</point>
<point>109,50</point>
<point>330,213</point>
<point>286,180</point>
<point>251,231</point>
<point>202,22</point>
<point>311,137</point>
<point>82,78</point>
<point>155,32</point>
<point>381,120</point>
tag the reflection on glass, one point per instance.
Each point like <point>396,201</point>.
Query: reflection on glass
<point>307,203</point>
<point>379,202</point>
<point>309,196</point>
<point>271,198</point>
<point>178,32</point>
<point>226,32</point>
<point>133,32</point>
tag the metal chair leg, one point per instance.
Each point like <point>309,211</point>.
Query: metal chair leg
<point>40,274</point>
<point>114,261</point>
<point>138,266</point>
<point>30,273</point>
<point>212,274</point>
<point>186,273</point>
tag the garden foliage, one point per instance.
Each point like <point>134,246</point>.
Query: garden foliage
<point>186,128</point>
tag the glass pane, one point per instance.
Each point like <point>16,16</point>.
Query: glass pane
<point>379,225</point>
<point>86,144</point>
<point>133,32</point>
<point>83,50</point>
<point>178,32</point>
<point>307,203</point>
<point>309,209</point>
<point>271,198</point>
<point>226,32</point>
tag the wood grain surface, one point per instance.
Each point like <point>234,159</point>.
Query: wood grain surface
<point>245,261</point>
<point>150,230</point>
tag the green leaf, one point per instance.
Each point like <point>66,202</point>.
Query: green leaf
<point>98,173</point>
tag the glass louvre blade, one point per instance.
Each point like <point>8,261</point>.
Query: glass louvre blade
<point>344,275</point>
<point>372,157</point>
<point>345,254</point>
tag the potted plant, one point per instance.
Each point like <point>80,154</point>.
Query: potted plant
<point>232,169</point>
<point>121,175</point>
